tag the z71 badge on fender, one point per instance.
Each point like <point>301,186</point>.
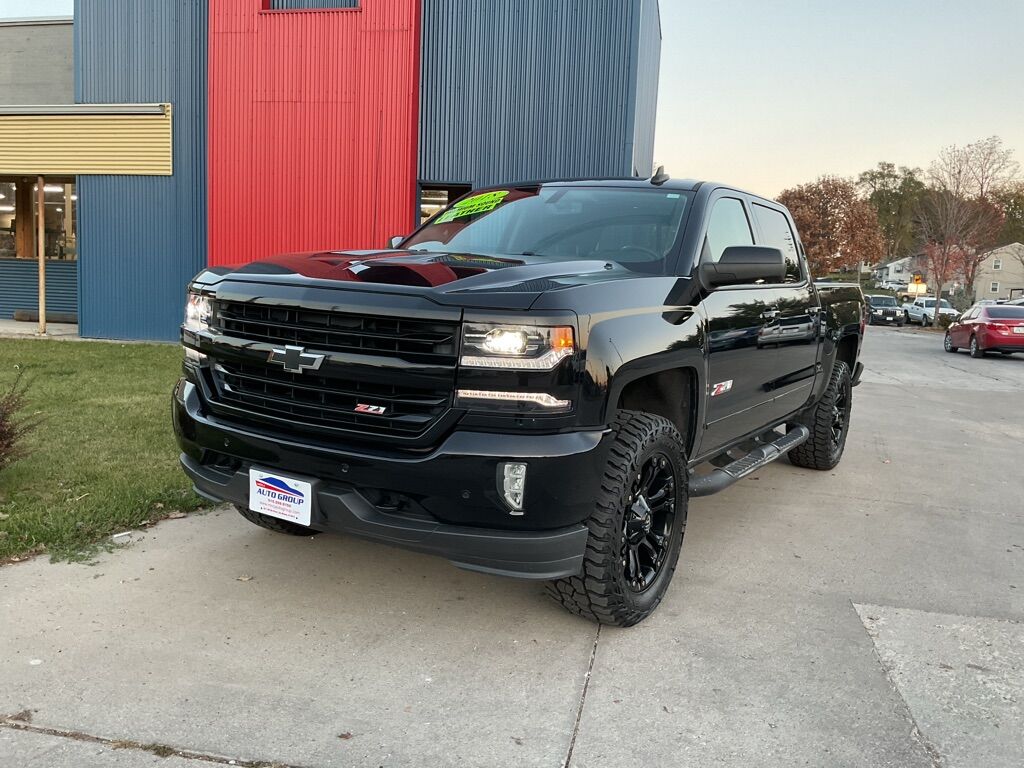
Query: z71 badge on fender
<point>721,388</point>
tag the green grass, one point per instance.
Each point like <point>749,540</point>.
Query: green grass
<point>103,458</point>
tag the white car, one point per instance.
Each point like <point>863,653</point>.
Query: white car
<point>923,310</point>
<point>893,285</point>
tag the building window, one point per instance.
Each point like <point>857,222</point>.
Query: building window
<point>310,5</point>
<point>993,287</point>
<point>434,198</point>
<point>997,264</point>
<point>18,211</point>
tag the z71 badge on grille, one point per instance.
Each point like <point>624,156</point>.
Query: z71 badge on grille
<point>375,410</point>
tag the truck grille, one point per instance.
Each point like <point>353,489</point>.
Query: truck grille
<point>421,341</point>
<point>321,401</point>
<point>354,397</point>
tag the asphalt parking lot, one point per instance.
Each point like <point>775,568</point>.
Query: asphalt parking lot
<point>869,616</point>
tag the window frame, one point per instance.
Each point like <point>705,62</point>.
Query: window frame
<point>997,265</point>
<point>801,259</point>
<point>993,287</point>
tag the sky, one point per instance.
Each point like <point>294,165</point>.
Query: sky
<point>768,94</point>
<point>21,9</point>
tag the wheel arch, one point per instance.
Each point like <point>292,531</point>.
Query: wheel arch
<point>673,393</point>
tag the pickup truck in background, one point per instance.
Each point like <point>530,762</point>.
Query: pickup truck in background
<point>922,311</point>
<point>533,384</point>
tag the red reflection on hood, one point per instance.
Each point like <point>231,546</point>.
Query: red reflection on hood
<point>387,267</point>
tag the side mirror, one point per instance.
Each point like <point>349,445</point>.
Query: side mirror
<point>395,241</point>
<point>742,264</point>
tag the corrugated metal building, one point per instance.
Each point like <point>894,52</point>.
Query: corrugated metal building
<point>141,238</point>
<point>327,121</point>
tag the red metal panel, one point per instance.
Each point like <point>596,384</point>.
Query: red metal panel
<point>312,127</point>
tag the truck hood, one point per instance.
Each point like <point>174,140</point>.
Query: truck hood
<point>447,278</point>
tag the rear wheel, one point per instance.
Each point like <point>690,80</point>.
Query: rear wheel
<point>636,529</point>
<point>274,524</point>
<point>947,343</point>
<point>976,350</point>
<point>829,422</point>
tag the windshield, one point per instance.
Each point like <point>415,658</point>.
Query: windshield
<point>882,301</point>
<point>634,227</point>
<point>942,304</point>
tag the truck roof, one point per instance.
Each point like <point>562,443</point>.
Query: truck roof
<point>685,185</point>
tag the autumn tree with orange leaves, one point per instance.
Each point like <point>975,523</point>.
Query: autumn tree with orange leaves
<point>838,229</point>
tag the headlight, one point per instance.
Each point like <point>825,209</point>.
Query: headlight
<point>197,318</point>
<point>197,313</point>
<point>516,347</point>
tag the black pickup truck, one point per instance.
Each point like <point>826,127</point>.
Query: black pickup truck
<point>533,384</point>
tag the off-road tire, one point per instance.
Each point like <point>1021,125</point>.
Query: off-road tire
<point>600,593</point>
<point>820,450</point>
<point>976,350</point>
<point>947,343</point>
<point>274,524</point>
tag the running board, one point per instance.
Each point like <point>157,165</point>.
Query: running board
<point>720,479</point>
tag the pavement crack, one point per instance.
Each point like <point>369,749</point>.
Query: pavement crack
<point>583,699</point>
<point>20,722</point>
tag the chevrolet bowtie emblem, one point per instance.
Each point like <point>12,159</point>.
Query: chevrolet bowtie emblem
<point>295,359</point>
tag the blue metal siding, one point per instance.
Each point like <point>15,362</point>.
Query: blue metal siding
<point>141,238</point>
<point>19,286</point>
<point>294,5</point>
<point>520,89</point>
<point>648,70</point>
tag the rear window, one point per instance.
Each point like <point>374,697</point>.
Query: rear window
<point>1006,313</point>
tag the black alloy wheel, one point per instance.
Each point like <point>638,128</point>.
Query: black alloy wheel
<point>841,413</point>
<point>648,522</point>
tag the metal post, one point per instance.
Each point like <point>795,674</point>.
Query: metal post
<point>41,249</point>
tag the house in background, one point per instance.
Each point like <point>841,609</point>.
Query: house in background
<point>898,270</point>
<point>1001,274</point>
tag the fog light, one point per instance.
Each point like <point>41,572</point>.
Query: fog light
<point>513,485</point>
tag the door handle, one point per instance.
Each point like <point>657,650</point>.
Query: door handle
<point>769,314</point>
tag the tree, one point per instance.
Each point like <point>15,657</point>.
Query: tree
<point>838,229</point>
<point>894,194</point>
<point>1010,200</point>
<point>956,220</point>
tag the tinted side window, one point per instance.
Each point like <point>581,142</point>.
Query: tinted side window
<point>728,226</point>
<point>777,233</point>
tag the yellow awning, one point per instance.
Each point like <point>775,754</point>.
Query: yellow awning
<point>83,139</point>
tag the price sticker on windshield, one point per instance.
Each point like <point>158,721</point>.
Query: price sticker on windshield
<point>472,206</point>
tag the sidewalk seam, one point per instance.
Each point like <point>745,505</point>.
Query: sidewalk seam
<point>161,750</point>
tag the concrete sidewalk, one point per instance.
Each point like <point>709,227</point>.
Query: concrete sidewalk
<point>868,616</point>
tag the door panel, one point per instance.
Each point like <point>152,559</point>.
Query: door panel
<point>763,347</point>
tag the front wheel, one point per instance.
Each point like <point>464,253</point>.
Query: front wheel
<point>925,320</point>
<point>947,343</point>
<point>829,422</point>
<point>636,528</point>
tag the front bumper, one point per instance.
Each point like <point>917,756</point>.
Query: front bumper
<point>448,499</point>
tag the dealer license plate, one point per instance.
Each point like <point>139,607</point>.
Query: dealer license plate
<point>277,495</point>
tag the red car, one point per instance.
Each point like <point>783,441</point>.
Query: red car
<point>988,328</point>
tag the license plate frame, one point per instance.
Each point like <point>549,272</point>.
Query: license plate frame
<point>282,496</point>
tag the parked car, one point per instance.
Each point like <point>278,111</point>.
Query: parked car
<point>526,384</point>
<point>988,328</point>
<point>893,285</point>
<point>923,310</point>
<point>883,309</point>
